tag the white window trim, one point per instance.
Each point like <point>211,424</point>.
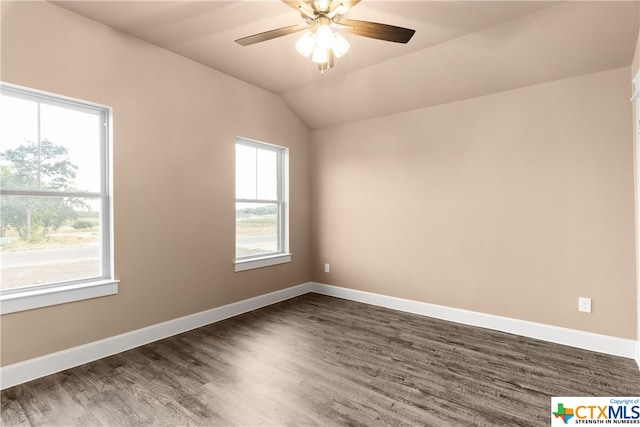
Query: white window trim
<point>266,261</point>
<point>282,257</point>
<point>28,298</point>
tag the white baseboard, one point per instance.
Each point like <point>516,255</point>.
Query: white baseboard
<point>28,370</point>
<point>571,337</point>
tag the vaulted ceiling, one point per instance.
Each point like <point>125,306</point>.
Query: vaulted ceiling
<point>460,49</point>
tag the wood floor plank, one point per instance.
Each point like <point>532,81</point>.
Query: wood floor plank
<point>315,361</point>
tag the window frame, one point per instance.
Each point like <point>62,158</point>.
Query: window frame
<point>36,296</point>
<point>282,255</point>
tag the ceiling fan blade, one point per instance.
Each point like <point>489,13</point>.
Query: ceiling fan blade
<point>378,31</point>
<point>272,34</point>
<point>348,3</point>
<point>340,7</point>
<point>301,6</point>
<point>295,4</point>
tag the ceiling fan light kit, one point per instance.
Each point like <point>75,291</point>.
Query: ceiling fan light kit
<point>322,45</point>
<point>319,42</point>
<point>339,46</point>
<point>306,44</point>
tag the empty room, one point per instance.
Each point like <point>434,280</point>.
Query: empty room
<point>319,212</point>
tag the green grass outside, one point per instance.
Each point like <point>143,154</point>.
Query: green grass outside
<point>64,236</point>
<point>257,226</point>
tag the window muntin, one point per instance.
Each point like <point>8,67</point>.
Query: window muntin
<point>54,192</point>
<point>260,200</point>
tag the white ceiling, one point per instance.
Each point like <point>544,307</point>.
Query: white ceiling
<point>460,49</point>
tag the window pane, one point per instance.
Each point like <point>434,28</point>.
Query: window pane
<point>18,128</point>
<point>267,173</point>
<point>245,172</point>
<point>70,147</point>
<point>59,151</point>
<point>256,229</point>
<point>49,239</point>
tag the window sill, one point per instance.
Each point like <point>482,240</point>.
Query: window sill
<point>250,264</point>
<point>29,299</point>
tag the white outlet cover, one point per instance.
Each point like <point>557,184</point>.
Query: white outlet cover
<point>327,268</point>
<point>584,304</point>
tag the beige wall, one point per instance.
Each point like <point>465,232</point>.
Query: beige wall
<point>513,204</point>
<point>174,127</point>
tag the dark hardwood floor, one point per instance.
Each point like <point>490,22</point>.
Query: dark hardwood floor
<point>317,360</point>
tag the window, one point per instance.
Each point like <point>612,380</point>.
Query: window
<point>261,208</point>
<point>55,220</point>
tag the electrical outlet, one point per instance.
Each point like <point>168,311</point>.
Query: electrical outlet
<point>327,268</point>
<point>584,304</point>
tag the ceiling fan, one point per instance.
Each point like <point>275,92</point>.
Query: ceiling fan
<point>319,41</point>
